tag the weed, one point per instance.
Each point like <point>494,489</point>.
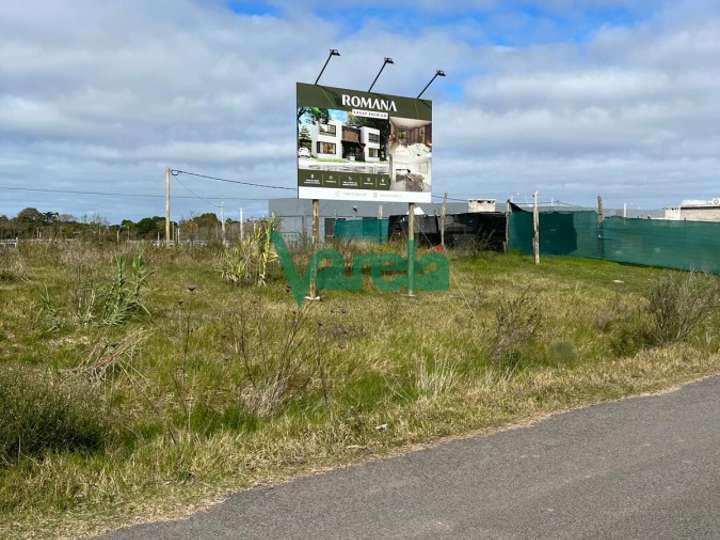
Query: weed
<point>518,321</point>
<point>122,299</point>
<point>42,412</point>
<point>434,379</point>
<point>49,313</point>
<point>12,267</point>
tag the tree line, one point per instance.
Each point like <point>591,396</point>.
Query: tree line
<point>32,223</point>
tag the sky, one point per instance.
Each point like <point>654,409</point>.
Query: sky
<point>572,98</point>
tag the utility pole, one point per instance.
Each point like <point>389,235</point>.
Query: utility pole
<point>601,213</point>
<point>443,216</point>
<point>536,229</point>
<point>168,239</point>
<point>624,210</point>
<point>242,227</point>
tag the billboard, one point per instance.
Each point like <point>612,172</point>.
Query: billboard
<point>363,146</point>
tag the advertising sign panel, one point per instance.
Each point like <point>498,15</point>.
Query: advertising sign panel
<point>360,146</point>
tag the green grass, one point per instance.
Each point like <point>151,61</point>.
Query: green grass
<point>206,392</point>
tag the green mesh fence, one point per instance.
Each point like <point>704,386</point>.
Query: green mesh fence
<point>561,233</point>
<point>366,229</point>
<point>685,245</point>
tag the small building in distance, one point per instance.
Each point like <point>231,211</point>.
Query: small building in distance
<point>694,210</point>
<point>481,205</point>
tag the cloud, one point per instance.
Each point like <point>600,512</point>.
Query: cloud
<point>105,95</point>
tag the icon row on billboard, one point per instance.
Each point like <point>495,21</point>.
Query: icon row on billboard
<point>344,180</point>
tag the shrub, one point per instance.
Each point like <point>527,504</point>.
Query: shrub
<point>41,413</point>
<point>678,303</point>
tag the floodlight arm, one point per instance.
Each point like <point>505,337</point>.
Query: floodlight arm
<point>385,63</point>
<point>333,52</point>
<point>438,73</point>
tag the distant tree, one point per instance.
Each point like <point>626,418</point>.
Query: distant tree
<point>208,220</point>
<point>30,215</point>
<point>150,226</point>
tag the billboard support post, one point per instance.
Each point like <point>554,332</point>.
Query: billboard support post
<point>411,249</point>
<point>315,243</point>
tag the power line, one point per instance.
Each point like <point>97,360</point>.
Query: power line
<point>196,195</point>
<point>176,172</point>
<point>115,194</point>
<point>450,198</point>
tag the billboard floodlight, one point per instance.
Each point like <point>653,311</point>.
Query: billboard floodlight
<point>385,63</point>
<point>333,52</point>
<point>438,73</point>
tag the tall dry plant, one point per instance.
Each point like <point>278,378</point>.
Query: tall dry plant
<point>248,262</point>
<point>280,359</point>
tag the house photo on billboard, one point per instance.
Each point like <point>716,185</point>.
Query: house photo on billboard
<point>328,139</point>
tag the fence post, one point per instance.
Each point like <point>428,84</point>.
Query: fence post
<point>443,217</point>
<point>601,221</point>
<point>411,249</point>
<point>536,230</point>
<point>506,244</point>
<point>315,243</point>
<point>380,238</point>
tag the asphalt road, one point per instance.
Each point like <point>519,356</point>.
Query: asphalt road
<point>646,467</point>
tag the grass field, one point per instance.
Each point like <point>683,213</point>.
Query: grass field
<point>137,387</point>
